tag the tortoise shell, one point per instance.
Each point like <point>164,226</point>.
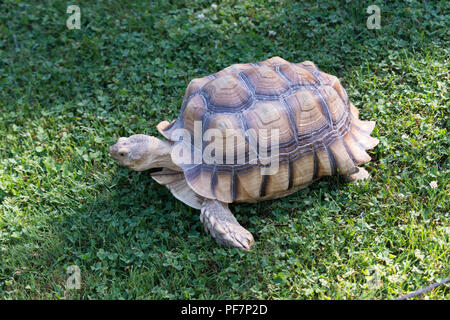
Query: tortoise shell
<point>319,133</point>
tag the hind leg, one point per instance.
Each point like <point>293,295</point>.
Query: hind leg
<point>361,174</point>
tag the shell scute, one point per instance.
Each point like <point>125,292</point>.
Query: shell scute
<point>336,84</point>
<point>270,118</point>
<point>199,179</point>
<point>307,112</point>
<point>303,169</point>
<point>226,143</point>
<point>233,69</point>
<point>297,75</point>
<point>343,158</point>
<point>249,183</point>
<point>223,188</point>
<point>334,103</point>
<point>227,93</point>
<point>265,81</point>
<point>274,61</point>
<point>194,112</point>
<point>356,150</point>
<point>278,182</point>
<point>308,65</point>
<point>195,85</point>
<point>266,112</point>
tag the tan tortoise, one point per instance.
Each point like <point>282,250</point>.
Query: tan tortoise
<point>318,134</point>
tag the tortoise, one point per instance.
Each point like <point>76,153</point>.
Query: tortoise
<point>318,134</point>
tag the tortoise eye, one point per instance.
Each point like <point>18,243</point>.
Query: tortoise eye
<point>122,152</point>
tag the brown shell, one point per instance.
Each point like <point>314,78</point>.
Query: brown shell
<point>319,130</point>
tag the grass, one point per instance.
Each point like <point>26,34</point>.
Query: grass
<point>66,95</point>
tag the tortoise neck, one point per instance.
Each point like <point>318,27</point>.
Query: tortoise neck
<point>162,157</point>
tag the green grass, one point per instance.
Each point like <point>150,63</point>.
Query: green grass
<point>66,95</point>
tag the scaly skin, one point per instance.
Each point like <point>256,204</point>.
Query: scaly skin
<point>223,226</point>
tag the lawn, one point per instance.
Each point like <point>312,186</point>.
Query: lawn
<point>67,95</point>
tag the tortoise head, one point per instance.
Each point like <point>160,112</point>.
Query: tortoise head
<point>140,152</point>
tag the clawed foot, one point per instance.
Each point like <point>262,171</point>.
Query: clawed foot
<point>361,174</point>
<point>223,226</point>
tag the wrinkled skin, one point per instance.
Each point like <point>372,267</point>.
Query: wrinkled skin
<point>140,152</point>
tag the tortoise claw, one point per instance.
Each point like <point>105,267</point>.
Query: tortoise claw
<point>223,226</point>
<point>361,174</point>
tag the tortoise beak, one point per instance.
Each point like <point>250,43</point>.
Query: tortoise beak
<point>113,150</point>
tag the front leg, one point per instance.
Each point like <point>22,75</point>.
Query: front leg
<point>223,226</point>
